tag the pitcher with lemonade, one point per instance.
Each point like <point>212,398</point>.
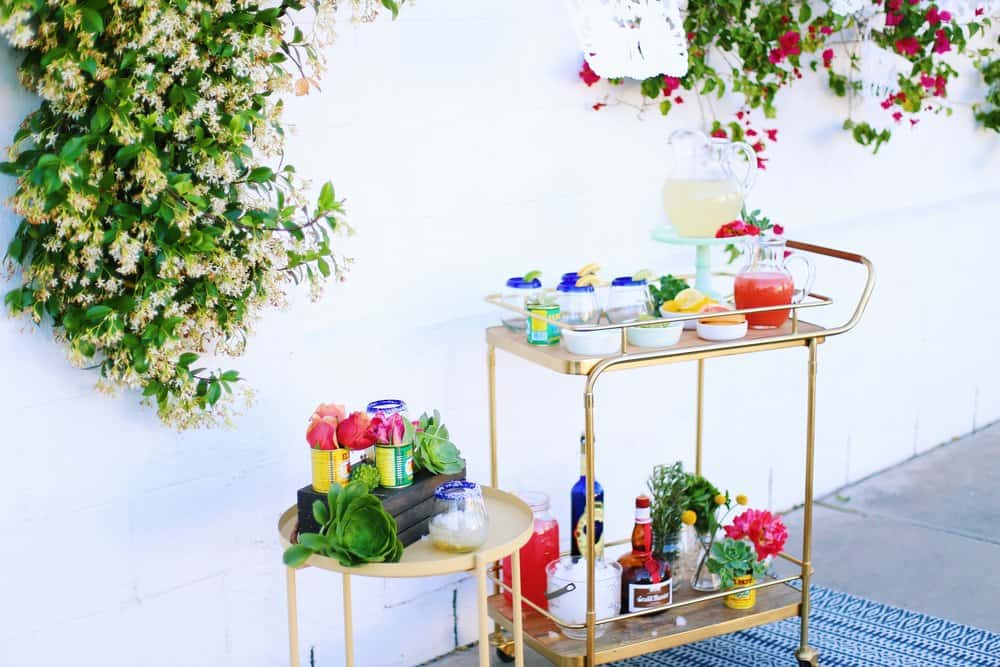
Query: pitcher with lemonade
<point>708,183</point>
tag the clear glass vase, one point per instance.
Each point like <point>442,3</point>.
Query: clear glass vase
<point>703,580</point>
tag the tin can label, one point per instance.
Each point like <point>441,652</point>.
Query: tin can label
<point>541,332</point>
<point>395,465</point>
<point>330,466</point>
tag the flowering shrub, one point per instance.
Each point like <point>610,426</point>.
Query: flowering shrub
<point>153,230</point>
<point>755,48</point>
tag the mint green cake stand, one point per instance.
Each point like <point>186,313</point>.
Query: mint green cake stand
<point>702,256</point>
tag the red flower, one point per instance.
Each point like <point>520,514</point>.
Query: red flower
<point>914,121</point>
<point>679,100</point>
<point>758,147</point>
<point>980,11</point>
<point>934,17</point>
<point>740,114</point>
<point>354,432</point>
<point>776,56</point>
<point>322,432</point>
<point>587,75</point>
<point>827,57</point>
<point>751,132</point>
<point>941,42</point>
<point>894,5</point>
<point>790,43</point>
<point>719,133</point>
<point>765,531</point>
<point>940,86</point>
<point>887,102</point>
<point>927,81</point>
<point>908,46</point>
<point>778,229</point>
<point>893,19</point>
<point>826,30</point>
<point>772,135</point>
<point>598,106</point>
<point>897,116</point>
<point>730,229</point>
<point>762,165</point>
<point>670,84</point>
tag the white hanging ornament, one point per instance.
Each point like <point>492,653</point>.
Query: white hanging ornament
<point>846,7</point>
<point>631,38</point>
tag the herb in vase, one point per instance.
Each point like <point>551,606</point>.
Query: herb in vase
<point>668,489</point>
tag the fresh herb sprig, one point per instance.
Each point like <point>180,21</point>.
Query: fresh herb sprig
<point>668,288</point>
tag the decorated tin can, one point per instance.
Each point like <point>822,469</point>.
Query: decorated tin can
<point>742,599</point>
<point>541,332</point>
<point>395,465</point>
<point>329,466</point>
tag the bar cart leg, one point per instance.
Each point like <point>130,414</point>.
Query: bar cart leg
<point>491,372</point>
<point>590,551</point>
<point>518,610</point>
<point>484,617</point>
<point>293,618</point>
<point>348,623</point>
<point>807,656</point>
<point>699,416</point>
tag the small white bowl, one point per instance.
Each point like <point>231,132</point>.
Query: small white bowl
<point>656,336</point>
<point>721,332</point>
<point>689,325</point>
<point>592,343</point>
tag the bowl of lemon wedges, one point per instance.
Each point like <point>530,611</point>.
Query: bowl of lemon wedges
<point>687,302</point>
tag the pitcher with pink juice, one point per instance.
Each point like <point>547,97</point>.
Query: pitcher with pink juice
<point>766,281</point>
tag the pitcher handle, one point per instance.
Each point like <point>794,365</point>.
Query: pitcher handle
<point>800,294</point>
<point>750,177</point>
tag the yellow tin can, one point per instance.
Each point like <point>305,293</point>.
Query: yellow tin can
<point>329,466</point>
<point>742,599</point>
<point>395,465</point>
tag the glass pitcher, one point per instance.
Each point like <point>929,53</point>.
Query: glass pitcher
<point>766,281</point>
<point>704,190</point>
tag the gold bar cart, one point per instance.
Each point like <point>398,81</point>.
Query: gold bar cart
<point>638,633</point>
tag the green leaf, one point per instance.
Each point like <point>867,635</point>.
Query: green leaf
<point>313,541</point>
<point>260,175</point>
<point>97,313</point>
<point>214,393</point>
<point>392,6</point>
<point>101,120</point>
<point>321,512</point>
<point>92,21</point>
<point>326,197</point>
<point>187,359</point>
<point>296,555</point>
<point>230,376</point>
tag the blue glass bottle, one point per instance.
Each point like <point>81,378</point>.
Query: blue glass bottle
<point>578,510</point>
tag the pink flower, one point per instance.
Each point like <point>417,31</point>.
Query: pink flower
<point>941,42</point>
<point>908,46</point>
<point>354,432</point>
<point>389,430</point>
<point>719,133</point>
<point>772,135</point>
<point>322,433</point>
<point>679,100</point>
<point>587,75</point>
<point>927,81</point>
<point>914,121</point>
<point>940,86</point>
<point>730,229</point>
<point>765,531</point>
<point>778,230</point>
<point>330,410</point>
<point>827,57</point>
<point>776,56</point>
<point>980,11</point>
<point>897,116</point>
<point>934,17</point>
<point>598,106</point>
<point>893,19</point>
<point>826,30</point>
<point>894,5</point>
<point>670,84</point>
<point>790,43</point>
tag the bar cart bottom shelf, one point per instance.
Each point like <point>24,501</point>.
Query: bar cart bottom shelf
<point>638,636</point>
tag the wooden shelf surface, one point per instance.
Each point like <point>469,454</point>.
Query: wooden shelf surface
<point>638,636</point>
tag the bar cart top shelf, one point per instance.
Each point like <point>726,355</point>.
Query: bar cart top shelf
<point>561,360</point>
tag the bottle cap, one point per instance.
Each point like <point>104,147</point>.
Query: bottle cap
<point>642,501</point>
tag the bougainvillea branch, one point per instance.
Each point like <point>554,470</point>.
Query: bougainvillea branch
<point>752,49</point>
<point>156,226</point>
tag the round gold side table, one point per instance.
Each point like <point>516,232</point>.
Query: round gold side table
<point>510,527</point>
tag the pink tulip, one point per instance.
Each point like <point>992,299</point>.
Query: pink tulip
<point>322,433</point>
<point>355,431</point>
<point>334,410</point>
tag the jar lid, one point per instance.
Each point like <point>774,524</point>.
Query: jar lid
<point>458,490</point>
<point>573,287</point>
<point>386,406</point>
<point>627,281</point>
<point>518,282</point>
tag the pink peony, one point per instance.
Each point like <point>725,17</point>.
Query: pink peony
<point>765,531</point>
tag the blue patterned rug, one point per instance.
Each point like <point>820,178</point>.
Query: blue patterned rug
<point>847,631</point>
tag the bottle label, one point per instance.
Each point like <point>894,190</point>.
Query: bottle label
<point>650,596</point>
<point>580,531</point>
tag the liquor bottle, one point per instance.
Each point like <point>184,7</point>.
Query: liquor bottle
<point>578,511</point>
<point>646,577</point>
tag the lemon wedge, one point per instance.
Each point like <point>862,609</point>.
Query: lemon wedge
<point>690,300</point>
<point>589,280</point>
<point>588,269</point>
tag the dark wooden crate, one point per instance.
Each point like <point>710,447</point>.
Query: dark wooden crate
<point>412,507</point>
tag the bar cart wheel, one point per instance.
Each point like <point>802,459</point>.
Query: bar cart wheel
<point>808,657</point>
<point>504,646</point>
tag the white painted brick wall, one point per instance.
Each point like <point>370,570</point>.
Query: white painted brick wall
<point>468,152</point>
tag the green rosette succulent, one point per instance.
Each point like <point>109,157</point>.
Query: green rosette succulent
<point>433,451</point>
<point>354,529</point>
<point>367,473</point>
